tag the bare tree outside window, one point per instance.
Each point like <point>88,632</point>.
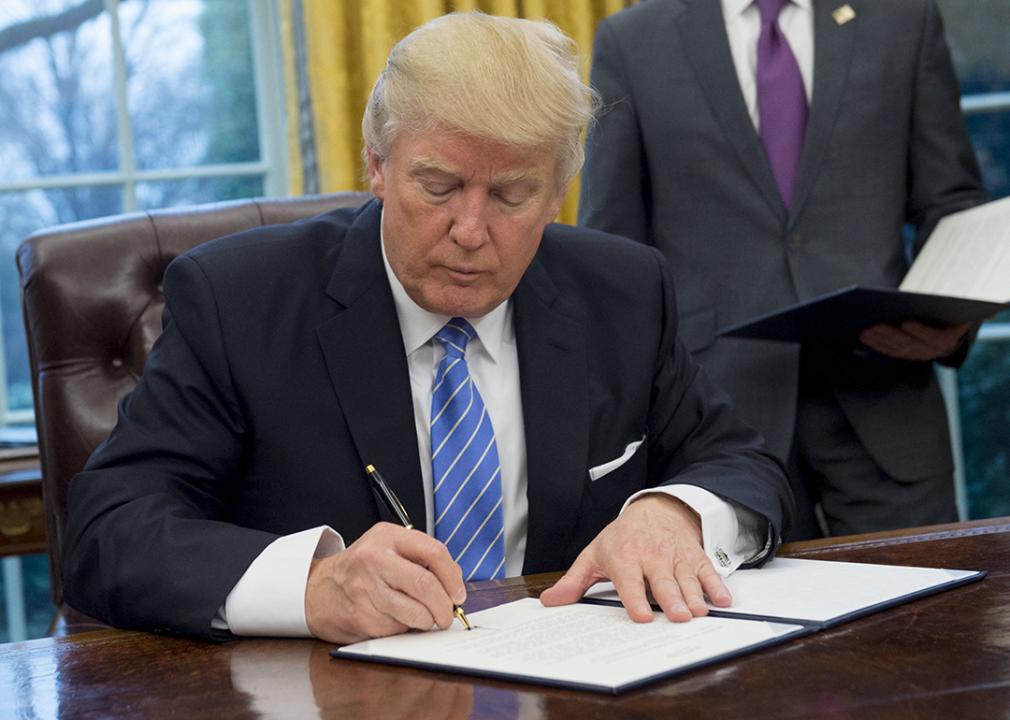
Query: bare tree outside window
<point>80,137</point>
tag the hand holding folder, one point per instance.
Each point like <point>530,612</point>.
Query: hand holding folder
<point>914,341</point>
<point>962,276</point>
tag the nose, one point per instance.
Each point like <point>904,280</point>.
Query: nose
<point>469,228</point>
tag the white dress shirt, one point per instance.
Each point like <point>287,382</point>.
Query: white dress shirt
<point>743,27</point>
<point>269,599</point>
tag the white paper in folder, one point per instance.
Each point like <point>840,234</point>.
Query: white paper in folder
<point>967,255</point>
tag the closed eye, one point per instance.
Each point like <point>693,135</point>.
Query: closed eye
<point>438,190</point>
<point>513,197</point>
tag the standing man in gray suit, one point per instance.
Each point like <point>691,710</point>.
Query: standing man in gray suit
<point>773,150</point>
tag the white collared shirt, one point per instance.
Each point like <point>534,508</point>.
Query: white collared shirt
<point>493,362</point>
<point>269,599</point>
<point>743,27</point>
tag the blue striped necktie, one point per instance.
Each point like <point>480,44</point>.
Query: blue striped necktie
<point>464,460</point>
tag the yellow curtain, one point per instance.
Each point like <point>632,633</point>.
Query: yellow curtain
<point>334,51</point>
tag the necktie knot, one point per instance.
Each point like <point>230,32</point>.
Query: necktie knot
<point>770,9</point>
<point>455,335</point>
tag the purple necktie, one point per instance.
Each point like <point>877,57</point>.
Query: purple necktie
<point>781,99</point>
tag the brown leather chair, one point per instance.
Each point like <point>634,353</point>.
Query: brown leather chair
<point>92,306</point>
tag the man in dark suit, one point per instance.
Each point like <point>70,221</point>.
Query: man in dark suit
<point>516,382</point>
<point>773,150</point>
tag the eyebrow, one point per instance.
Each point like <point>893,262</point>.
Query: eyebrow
<point>420,166</point>
<point>424,166</point>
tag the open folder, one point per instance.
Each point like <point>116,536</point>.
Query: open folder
<point>840,316</point>
<point>962,275</point>
<point>594,645</point>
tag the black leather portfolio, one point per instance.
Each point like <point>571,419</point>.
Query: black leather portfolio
<point>838,317</point>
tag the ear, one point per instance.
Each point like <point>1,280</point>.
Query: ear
<point>376,174</point>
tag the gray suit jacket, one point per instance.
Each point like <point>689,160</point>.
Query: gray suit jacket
<point>675,161</point>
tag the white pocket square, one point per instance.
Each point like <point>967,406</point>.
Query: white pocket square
<point>595,473</point>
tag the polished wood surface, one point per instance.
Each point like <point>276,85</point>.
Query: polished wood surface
<point>945,656</point>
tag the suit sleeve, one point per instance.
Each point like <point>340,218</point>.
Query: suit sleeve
<point>614,190</point>
<point>943,172</point>
<point>148,543</point>
<point>697,439</point>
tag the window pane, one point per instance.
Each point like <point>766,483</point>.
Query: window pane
<point>57,111</point>
<point>977,33</point>
<point>22,213</point>
<point>990,134</point>
<point>170,193</point>
<point>32,572</point>
<point>984,384</point>
<point>190,88</point>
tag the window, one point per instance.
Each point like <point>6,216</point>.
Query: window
<point>977,32</point>
<point>110,106</point>
<point>121,105</point>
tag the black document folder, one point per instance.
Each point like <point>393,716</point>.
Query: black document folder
<point>839,317</point>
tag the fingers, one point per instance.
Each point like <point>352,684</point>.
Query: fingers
<point>942,341</point>
<point>655,544</point>
<point>629,581</point>
<point>574,583</point>
<point>914,341</point>
<point>713,585</point>
<point>434,556</point>
<point>390,580</point>
<point>414,598</point>
<point>680,587</point>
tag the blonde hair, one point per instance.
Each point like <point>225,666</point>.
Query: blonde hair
<point>508,80</point>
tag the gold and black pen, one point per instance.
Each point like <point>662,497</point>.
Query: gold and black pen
<point>396,507</point>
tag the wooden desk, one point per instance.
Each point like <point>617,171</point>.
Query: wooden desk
<point>946,656</point>
<point>22,514</point>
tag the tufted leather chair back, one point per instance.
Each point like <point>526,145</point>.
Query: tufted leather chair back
<point>92,306</point>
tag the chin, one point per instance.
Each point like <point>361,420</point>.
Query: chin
<point>460,304</point>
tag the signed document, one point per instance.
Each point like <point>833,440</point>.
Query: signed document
<point>823,593</point>
<point>594,647</point>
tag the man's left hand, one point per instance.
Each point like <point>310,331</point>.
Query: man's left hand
<point>914,341</point>
<point>656,544</point>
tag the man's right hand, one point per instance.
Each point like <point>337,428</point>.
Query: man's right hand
<point>387,582</point>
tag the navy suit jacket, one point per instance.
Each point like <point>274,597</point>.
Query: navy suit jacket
<point>675,161</point>
<point>281,372</point>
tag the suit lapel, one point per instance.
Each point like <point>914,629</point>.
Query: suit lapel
<point>363,349</point>
<point>702,33</point>
<point>553,375</point>
<point>832,58</point>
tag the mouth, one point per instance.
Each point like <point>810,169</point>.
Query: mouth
<point>463,275</point>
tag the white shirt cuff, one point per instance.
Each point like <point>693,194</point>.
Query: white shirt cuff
<point>731,534</point>
<point>269,599</point>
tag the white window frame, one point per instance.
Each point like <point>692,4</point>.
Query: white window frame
<point>272,165</point>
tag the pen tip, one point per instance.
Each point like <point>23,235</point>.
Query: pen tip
<point>369,469</point>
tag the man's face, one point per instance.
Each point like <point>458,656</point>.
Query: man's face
<point>462,217</point>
